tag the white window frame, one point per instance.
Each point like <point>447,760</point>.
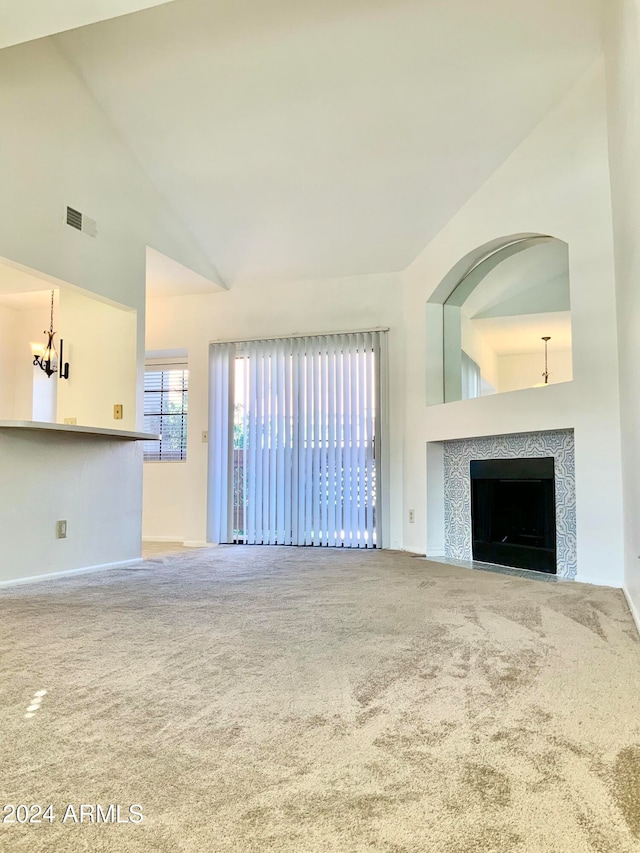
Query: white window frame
<point>152,450</point>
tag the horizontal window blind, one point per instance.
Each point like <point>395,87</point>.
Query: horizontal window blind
<point>165,412</point>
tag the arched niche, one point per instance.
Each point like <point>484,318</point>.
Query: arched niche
<point>498,288</point>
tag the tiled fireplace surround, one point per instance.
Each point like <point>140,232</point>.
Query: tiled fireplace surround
<point>456,488</point>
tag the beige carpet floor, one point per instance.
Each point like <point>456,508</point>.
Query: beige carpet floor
<point>320,701</point>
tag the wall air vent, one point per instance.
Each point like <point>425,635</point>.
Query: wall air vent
<point>81,222</point>
<point>74,218</point>
<point>89,226</point>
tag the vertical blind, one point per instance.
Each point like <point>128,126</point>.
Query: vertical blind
<point>292,441</point>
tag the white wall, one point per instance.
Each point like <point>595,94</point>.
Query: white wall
<point>30,326</point>
<point>435,540</point>
<point>8,344</point>
<point>100,347</point>
<point>175,493</point>
<point>556,182</point>
<point>475,346</point>
<point>44,396</point>
<point>91,482</point>
<point>57,148</point>
<point>525,369</point>
<point>19,329</point>
<point>623,85</point>
<point>167,487</point>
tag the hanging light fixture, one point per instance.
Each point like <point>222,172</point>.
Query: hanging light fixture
<point>48,360</point>
<point>545,375</point>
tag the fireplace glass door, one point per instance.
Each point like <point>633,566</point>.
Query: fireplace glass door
<point>513,513</point>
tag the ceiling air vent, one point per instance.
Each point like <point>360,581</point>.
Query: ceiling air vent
<point>74,218</point>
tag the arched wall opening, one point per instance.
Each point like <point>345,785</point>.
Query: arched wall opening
<point>488,319</point>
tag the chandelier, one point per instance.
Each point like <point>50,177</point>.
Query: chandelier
<point>48,360</point>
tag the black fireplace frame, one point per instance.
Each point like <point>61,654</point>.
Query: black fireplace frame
<point>534,549</point>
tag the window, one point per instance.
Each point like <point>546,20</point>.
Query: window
<point>165,411</point>
<point>471,378</point>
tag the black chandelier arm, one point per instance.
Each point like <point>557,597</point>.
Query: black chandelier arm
<point>44,364</point>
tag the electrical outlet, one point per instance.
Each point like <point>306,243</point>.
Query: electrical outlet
<point>61,528</point>
<point>70,421</point>
<point>412,516</point>
<point>117,412</point>
<point>205,436</point>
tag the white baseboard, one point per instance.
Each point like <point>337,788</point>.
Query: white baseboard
<point>188,543</point>
<point>595,581</point>
<point>632,608</point>
<point>431,554</point>
<point>67,572</point>
<point>162,538</point>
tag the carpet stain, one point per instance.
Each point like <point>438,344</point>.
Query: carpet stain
<point>626,786</point>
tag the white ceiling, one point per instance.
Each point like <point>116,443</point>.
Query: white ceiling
<point>21,291</point>
<point>166,277</point>
<point>329,137</point>
<point>24,20</point>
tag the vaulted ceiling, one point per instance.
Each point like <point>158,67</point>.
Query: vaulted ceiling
<point>26,20</point>
<point>331,137</point>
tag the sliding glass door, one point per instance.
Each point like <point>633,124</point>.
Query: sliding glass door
<point>293,441</point>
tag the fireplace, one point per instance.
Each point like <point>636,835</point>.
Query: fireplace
<point>513,512</point>
<point>449,487</point>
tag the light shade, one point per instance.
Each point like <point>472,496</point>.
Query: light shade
<point>48,361</point>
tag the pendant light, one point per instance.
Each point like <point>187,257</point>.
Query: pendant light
<point>545,375</point>
<point>48,360</point>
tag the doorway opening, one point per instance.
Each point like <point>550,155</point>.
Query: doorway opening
<point>294,431</point>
